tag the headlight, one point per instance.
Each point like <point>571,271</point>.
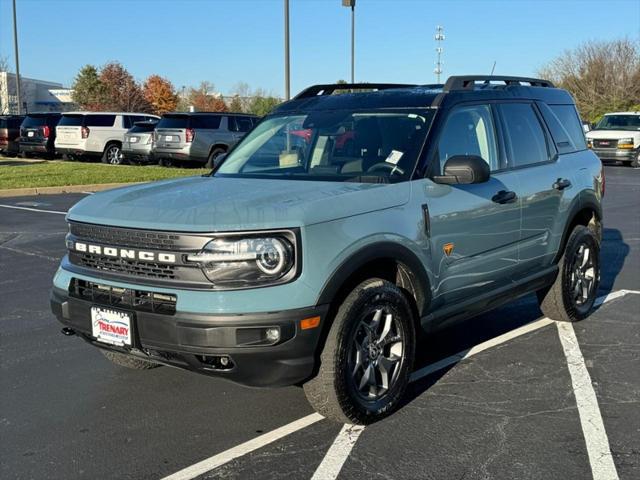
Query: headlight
<point>234,262</point>
<point>625,143</point>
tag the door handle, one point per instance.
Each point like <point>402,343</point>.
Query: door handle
<point>561,184</point>
<point>504,196</point>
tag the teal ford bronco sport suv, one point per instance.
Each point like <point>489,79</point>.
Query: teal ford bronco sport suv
<point>350,220</point>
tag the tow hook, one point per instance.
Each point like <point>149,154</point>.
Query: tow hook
<point>68,331</point>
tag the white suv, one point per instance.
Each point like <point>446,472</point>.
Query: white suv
<point>617,137</point>
<point>95,134</point>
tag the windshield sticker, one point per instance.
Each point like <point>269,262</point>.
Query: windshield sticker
<point>394,157</point>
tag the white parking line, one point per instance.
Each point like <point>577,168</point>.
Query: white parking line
<point>211,463</point>
<point>33,209</point>
<point>332,462</point>
<point>342,448</point>
<point>595,436</point>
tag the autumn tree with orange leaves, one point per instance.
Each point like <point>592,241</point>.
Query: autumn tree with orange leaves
<point>160,94</point>
<point>203,99</point>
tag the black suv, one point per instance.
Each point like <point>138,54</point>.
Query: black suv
<point>38,134</point>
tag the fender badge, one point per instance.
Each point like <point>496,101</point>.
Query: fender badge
<point>447,248</point>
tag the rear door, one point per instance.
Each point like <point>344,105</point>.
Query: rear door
<point>472,230</point>
<point>69,130</point>
<point>171,131</point>
<point>34,129</point>
<point>210,129</point>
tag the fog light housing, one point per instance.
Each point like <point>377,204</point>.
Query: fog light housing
<point>272,334</point>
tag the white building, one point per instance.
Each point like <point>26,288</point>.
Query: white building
<point>37,95</point>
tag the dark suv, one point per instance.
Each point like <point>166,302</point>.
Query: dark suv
<point>38,134</point>
<point>336,231</point>
<point>9,133</point>
<point>199,137</point>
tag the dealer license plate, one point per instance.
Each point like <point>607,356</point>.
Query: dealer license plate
<point>30,134</point>
<point>111,326</point>
<point>168,138</point>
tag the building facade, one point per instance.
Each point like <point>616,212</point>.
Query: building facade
<point>37,95</point>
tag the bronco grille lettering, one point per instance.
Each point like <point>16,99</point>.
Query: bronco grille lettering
<point>126,253</point>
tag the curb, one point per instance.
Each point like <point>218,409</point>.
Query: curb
<point>22,192</point>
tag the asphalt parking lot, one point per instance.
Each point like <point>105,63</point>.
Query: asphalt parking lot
<point>517,406</point>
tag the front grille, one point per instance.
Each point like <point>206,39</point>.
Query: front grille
<point>125,237</point>
<point>605,143</point>
<point>137,268</point>
<point>142,300</point>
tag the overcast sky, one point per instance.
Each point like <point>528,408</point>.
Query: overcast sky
<point>227,41</point>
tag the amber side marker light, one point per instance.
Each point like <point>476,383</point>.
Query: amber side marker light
<point>308,323</point>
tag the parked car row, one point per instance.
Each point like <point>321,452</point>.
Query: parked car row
<point>125,137</point>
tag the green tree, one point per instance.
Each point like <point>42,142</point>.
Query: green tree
<point>602,76</point>
<point>88,89</point>
<point>262,105</point>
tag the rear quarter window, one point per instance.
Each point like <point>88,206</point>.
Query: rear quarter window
<point>100,120</point>
<point>568,117</point>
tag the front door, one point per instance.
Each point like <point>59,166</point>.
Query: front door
<point>474,229</point>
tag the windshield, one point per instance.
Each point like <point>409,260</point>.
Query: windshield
<point>332,146</point>
<point>619,122</point>
<point>34,121</point>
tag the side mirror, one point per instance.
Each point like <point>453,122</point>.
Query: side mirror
<point>463,170</point>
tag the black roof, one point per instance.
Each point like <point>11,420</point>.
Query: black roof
<point>210,113</point>
<point>457,89</point>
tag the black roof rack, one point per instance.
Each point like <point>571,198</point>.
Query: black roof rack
<point>467,82</point>
<point>328,89</point>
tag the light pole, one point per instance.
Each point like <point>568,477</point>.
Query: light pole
<point>15,45</point>
<point>439,38</point>
<point>287,84</point>
<point>352,4</point>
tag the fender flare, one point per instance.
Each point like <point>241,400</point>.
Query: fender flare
<point>582,202</point>
<point>379,251</point>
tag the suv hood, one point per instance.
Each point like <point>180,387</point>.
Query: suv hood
<point>207,204</point>
<point>614,134</point>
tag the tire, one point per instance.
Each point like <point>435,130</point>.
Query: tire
<point>165,162</point>
<point>215,153</point>
<point>367,312</point>
<point>128,361</point>
<point>561,301</point>
<point>112,154</point>
<point>635,163</point>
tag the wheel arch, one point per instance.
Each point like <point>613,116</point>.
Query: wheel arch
<point>586,212</point>
<point>223,146</point>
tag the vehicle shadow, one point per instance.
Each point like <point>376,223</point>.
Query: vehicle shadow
<point>460,337</point>
<point>20,162</point>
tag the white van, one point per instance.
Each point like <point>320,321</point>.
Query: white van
<point>95,134</point>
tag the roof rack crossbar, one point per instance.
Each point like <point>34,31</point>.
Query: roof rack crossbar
<point>468,82</point>
<point>328,89</point>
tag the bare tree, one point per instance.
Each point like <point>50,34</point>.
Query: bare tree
<point>602,76</point>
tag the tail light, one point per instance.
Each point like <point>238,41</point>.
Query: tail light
<point>4,139</point>
<point>46,131</point>
<point>85,132</point>
<point>189,135</point>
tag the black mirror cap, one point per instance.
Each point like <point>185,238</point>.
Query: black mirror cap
<point>464,170</point>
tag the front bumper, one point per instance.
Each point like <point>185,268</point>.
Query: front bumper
<point>193,341</point>
<point>617,154</point>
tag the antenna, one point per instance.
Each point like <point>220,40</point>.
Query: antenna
<point>439,37</point>
<point>493,68</point>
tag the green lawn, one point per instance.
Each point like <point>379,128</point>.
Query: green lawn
<point>16,173</point>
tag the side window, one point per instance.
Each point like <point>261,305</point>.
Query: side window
<point>243,124</point>
<point>569,118</point>
<point>100,120</point>
<point>469,131</point>
<point>127,121</point>
<point>525,138</point>
<point>232,124</point>
<point>206,121</point>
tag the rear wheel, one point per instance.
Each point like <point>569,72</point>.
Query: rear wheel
<point>367,357</point>
<point>128,361</point>
<point>165,162</point>
<point>215,153</point>
<point>572,295</point>
<point>112,154</point>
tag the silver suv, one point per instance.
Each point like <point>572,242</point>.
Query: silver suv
<point>95,134</point>
<point>198,137</point>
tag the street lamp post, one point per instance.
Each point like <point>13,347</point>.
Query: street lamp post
<point>287,84</point>
<point>352,4</point>
<point>15,45</point>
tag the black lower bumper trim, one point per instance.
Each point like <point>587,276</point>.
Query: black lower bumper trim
<point>198,342</point>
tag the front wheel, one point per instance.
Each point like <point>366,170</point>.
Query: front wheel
<point>213,156</point>
<point>367,357</point>
<point>572,295</point>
